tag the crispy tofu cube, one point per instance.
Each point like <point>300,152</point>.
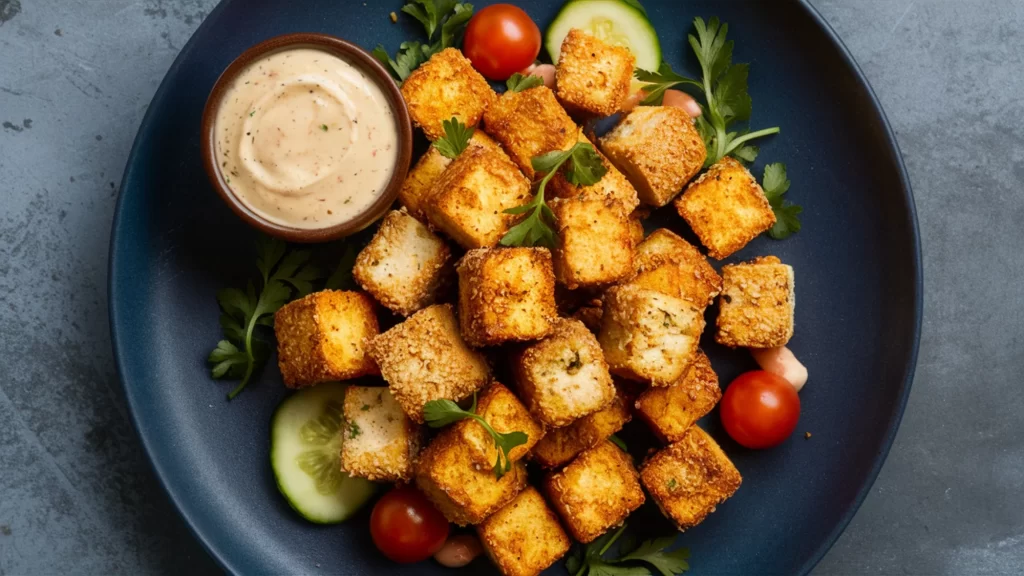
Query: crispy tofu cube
<point>500,408</point>
<point>425,358</point>
<point>462,492</point>
<point>595,246</point>
<point>380,443</point>
<point>636,226</point>
<point>323,337</point>
<point>726,208</point>
<point>658,149</point>
<point>689,478</point>
<point>647,335</point>
<point>612,186</point>
<point>668,264</point>
<point>757,304</point>
<point>469,200</point>
<point>593,76</point>
<point>404,265</point>
<point>528,124</point>
<point>671,410</point>
<point>446,86</point>
<point>506,295</point>
<point>564,376</point>
<point>596,491</point>
<point>524,537</point>
<point>561,445</point>
<point>415,191</point>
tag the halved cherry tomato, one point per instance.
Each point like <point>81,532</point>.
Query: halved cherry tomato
<point>501,40</point>
<point>760,409</point>
<point>406,527</point>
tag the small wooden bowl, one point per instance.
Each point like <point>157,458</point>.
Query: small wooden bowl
<point>357,57</point>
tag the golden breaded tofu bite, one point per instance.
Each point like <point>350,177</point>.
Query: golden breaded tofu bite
<point>647,335</point>
<point>612,186</point>
<point>726,208</point>
<point>593,76</point>
<point>425,358</point>
<point>446,86</point>
<point>506,295</point>
<point>500,408</point>
<point>380,443</point>
<point>462,492</point>
<point>595,245</point>
<point>658,149</point>
<point>561,445</point>
<point>404,265</point>
<point>668,264</point>
<point>528,124</point>
<point>757,305</point>
<point>323,337</point>
<point>524,537</point>
<point>564,376</point>
<point>636,226</point>
<point>469,200</point>
<point>417,186</point>
<point>596,491</point>
<point>670,411</point>
<point>689,478</point>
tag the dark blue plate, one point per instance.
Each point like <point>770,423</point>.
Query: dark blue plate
<point>857,264</point>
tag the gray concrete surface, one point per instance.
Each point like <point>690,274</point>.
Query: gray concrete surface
<point>76,495</point>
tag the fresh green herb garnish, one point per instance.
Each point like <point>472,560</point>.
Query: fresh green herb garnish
<point>447,16</point>
<point>365,407</point>
<point>723,87</point>
<point>671,485</point>
<point>455,140</point>
<point>583,167</point>
<point>590,559</point>
<point>618,442</point>
<point>284,275</point>
<point>775,184</point>
<point>440,413</point>
<point>353,430</point>
<point>517,82</point>
<point>323,127</point>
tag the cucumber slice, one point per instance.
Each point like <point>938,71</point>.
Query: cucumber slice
<point>305,453</point>
<point>615,22</point>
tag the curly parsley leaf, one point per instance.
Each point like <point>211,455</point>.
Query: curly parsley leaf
<point>518,82</point>
<point>455,140</point>
<point>787,215</point>
<point>591,560</point>
<point>442,412</point>
<point>583,166</point>
<point>283,275</point>
<point>448,16</point>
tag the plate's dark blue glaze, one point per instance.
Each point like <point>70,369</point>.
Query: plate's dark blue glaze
<point>857,264</point>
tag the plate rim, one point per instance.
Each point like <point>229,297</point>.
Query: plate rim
<point>896,414</point>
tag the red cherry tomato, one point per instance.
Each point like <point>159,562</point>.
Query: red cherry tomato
<point>501,40</point>
<point>406,527</point>
<point>760,409</point>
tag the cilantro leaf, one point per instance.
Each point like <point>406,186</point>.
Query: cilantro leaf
<point>537,229</point>
<point>283,275</point>
<point>455,25</point>
<point>410,55</point>
<point>658,82</point>
<point>592,561</point>
<point>746,153</point>
<point>518,82</point>
<point>775,183</point>
<point>653,552</point>
<point>448,16</point>
<point>455,140</point>
<point>442,412</point>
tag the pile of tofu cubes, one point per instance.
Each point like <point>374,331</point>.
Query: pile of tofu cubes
<point>600,328</point>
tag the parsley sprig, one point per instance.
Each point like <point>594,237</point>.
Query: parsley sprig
<point>518,82</point>
<point>591,561</point>
<point>447,16</point>
<point>723,86</point>
<point>582,167</point>
<point>440,413</point>
<point>455,140</point>
<point>787,214</point>
<point>283,275</point>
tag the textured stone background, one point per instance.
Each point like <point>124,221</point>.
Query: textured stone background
<point>77,496</point>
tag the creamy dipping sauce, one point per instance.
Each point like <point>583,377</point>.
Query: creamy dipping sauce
<point>305,139</point>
